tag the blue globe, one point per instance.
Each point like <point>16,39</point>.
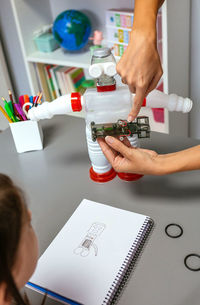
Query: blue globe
<point>72,30</point>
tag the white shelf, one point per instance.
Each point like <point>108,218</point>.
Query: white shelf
<point>58,57</point>
<point>31,15</point>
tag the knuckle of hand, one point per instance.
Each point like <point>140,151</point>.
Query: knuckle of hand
<point>160,72</point>
<point>141,83</point>
<point>129,153</point>
<point>132,89</point>
<point>105,150</point>
<point>118,69</point>
<point>130,80</point>
<point>122,73</point>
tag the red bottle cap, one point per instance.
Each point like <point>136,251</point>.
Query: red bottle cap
<point>129,177</point>
<point>76,101</point>
<point>111,174</point>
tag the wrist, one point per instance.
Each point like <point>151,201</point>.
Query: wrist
<point>164,165</point>
<point>169,164</point>
<point>144,35</point>
<point>145,17</point>
<point>146,26</point>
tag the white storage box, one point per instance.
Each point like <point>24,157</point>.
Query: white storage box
<point>118,48</point>
<point>27,135</point>
<point>119,18</point>
<point>118,35</point>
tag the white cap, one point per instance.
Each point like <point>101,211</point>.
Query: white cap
<point>95,70</point>
<point>178,103</point>
<point>110,68</point>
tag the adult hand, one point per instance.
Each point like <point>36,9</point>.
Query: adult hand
<point>127,159</point>
<point>140,67</point>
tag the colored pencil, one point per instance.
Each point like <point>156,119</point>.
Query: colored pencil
<point>17,115</point>
<point>10,95</point>
<point>9,111</point>
<point>36,99</point>
<point>5,114</point>
<point>39,99</point>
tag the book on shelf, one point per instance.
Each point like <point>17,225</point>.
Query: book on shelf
<point>74,79</point>
<point>59,74</point>
<point>77,77</point>
<point>66,80</point>
<point>55,80</point>
<point>59,80</point>
<point>43,81</point>
<point>49,81</point>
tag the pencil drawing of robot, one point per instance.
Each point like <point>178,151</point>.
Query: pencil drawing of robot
<point>89,240</point>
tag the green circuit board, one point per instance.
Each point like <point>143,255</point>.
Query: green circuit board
<point>122,128</point>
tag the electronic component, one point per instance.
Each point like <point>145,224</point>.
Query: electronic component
<point>122,128</point>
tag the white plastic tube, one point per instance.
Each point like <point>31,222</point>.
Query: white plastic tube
<point>61,105</point>
<point>173,102</point>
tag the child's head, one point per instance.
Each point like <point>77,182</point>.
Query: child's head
<point>18,243</point>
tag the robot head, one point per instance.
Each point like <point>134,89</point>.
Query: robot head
<point>103,67</point>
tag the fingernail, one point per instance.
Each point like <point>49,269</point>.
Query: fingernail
<point>130,118</point>
<point>109,139</point>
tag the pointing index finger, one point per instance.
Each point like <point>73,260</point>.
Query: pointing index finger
<point>137,103</point>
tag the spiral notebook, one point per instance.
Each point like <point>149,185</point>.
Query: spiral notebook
<point>90,259</point>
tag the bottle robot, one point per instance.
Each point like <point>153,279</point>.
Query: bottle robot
<point>107,104</point>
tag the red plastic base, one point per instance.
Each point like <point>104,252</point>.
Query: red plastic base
<point>129,177</point>
<point>102,177</point>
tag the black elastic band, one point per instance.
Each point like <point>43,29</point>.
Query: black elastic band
<point>175,225</point>
<point>186,264</point>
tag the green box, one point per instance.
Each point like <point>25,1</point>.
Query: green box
<point>117,19</point>
<point>121,50</point>
<point>46,42</point>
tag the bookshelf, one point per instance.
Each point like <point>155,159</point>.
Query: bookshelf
<point>30,15</point>
<point>58,57</point>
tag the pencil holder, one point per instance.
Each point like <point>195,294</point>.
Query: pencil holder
<point>27,135</point>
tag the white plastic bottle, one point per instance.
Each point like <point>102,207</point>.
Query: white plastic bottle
<point>106,104</point>
<point>106,107</point>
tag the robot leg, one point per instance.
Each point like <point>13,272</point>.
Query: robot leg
<point>126,176</point>
<point>101,170</point>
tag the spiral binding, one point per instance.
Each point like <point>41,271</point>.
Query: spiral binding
<point>128,264</point>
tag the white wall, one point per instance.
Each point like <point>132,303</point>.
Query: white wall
<point>94,9</point>
<point>195,69</point>
<point>5,84</point>
<point>12,49</point>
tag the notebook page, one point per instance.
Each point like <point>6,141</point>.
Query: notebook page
<point>84,258</point>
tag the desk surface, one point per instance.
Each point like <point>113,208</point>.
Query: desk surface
<point>56,180</point>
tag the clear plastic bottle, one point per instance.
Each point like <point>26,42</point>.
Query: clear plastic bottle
<point>103,59</point>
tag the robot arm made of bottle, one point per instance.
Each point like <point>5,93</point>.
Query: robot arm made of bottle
<point>75,102</point>
<point>62,105</point>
